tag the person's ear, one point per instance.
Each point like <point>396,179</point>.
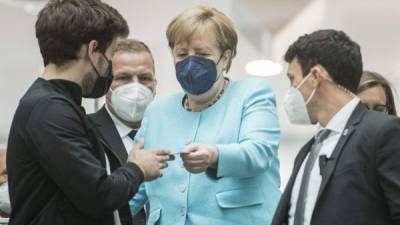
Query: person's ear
<point>317,74</point>
<point>92,47</point>
<point>155,86</point>
<point>226,57</point>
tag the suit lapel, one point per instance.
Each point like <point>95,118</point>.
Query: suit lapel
<point>331,164</point>
<point>110,134</point>
<point>281,215</point>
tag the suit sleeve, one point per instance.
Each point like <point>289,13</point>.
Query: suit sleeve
<point>388,166</point>
<point>67,156</point>
<point>259,137</point>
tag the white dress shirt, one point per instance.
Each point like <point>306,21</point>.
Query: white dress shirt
<point>123,131</point>
<point>336,125</point>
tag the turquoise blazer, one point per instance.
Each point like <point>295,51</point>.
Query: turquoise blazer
<point>244,189</point>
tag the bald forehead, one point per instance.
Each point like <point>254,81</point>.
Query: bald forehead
<point>133,59</point>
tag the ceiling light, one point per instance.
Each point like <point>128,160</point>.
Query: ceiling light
<point>263,68</point>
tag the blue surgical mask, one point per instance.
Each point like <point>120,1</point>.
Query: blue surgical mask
<point>196,74</point>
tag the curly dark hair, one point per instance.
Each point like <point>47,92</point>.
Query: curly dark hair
<point>63,26</point>
<point>332,49</point>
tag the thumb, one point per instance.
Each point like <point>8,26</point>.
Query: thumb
<point>190,148</point>
<point>140,144</point>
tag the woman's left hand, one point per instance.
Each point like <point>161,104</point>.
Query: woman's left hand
<point>197,158</point>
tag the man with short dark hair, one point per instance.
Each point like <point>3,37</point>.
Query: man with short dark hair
<point>349,173</point>
<point>59,170</point>
<point>132,89</point>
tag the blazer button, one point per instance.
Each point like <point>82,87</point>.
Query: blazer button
<point>182,188</point>
<point>188,142</point>
<point>183,211</point>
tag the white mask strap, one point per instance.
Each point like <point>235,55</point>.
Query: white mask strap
<point>312,93</point>
<point>311,96</point>
<point>303,81</point>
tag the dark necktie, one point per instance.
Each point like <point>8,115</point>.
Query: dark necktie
<point>312,157</point>
<point>132,134</point>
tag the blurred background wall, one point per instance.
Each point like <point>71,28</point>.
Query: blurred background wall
<point>266,28</point>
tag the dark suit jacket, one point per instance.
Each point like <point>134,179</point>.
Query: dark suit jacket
<point>113,141</point>
<point>361,180</point>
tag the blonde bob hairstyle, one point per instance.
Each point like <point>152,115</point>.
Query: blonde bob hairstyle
<point>203,18</point>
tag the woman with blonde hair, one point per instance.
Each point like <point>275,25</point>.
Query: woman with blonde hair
<point>224,133</point>
<point>376,93</point>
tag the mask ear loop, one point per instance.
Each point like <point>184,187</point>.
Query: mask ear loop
<point>94,68</point>
<point>109,62</point>
<point>311,96</point>
<point>312,93</point>
<point>303,81</point>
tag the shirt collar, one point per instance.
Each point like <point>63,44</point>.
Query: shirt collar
<point>339,120</point>
<point>70,89</point>
<point>122,129</point>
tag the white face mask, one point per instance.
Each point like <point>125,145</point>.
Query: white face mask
<point>295,106</point>
<point>129,101</point>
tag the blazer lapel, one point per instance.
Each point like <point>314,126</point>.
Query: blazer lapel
<point>110,134</point>
<point>350,127</point>
<point>282,211</point>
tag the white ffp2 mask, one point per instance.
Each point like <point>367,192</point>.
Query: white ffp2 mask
<point>295,106</point>
<point>129,101</point>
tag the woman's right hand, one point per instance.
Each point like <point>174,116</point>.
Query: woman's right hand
<point>197,158</point>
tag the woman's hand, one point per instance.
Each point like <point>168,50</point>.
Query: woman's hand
<point>197,158</point>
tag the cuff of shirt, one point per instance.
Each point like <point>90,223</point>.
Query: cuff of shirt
<point>227,154</point>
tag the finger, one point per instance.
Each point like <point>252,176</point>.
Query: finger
<point>190,148</point>
<point>140,144</point>
<point>194,154</point>
<point>158,174</point>
<point>196,169</point>
<point>195,164</point>
<point>161,152</point>
<point>184,155</point>
<point>163,158</point>
<point>163,165</point>
<point>198,155</point>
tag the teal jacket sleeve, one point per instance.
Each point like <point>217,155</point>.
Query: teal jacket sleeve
<point>142,130</point>
<point>138,201</point>
<point>259,137</point>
